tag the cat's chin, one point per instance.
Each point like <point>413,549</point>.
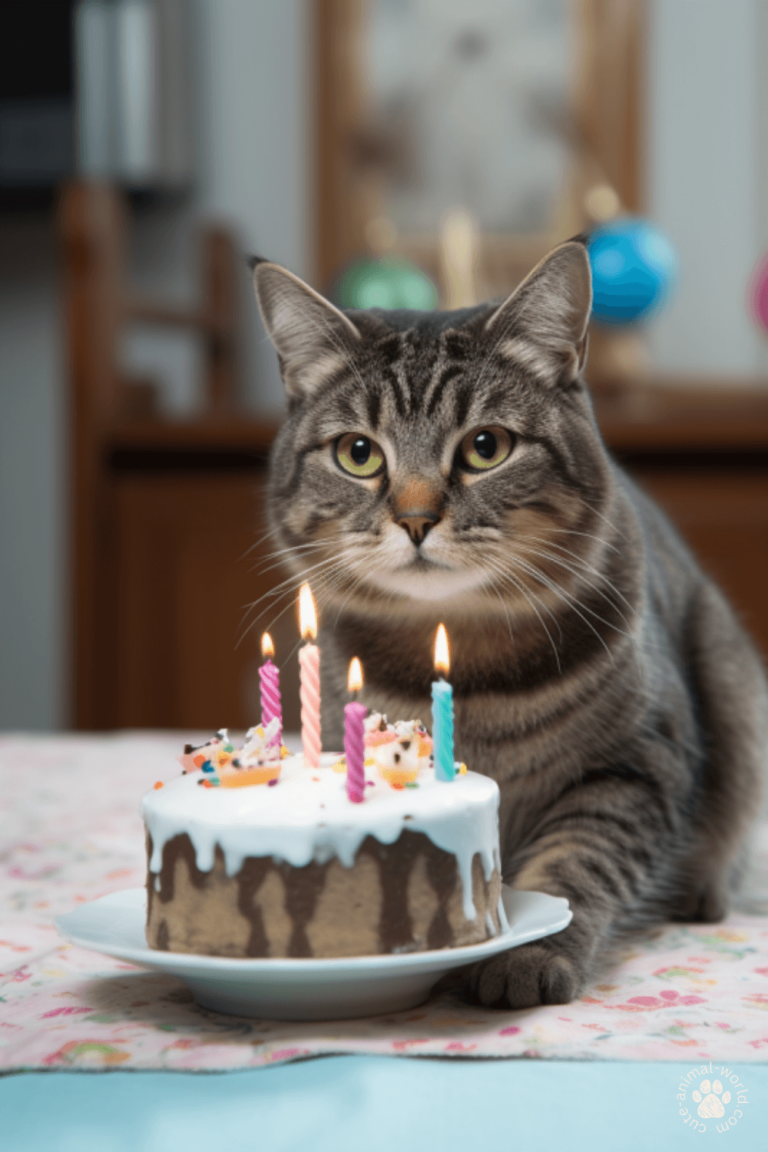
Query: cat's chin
<point>428,583</point>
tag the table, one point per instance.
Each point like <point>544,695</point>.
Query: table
<point>88,1067</point>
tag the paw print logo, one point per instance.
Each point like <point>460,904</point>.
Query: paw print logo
<point>711,1099</point>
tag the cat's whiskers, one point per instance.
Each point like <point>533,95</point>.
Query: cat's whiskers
<point>580,576</point>
<point>497,592</point>
<point>302,575</point>
<point>579,560</point>
<point>356,583</point>
<point>587,535</point>
<point>587,583</point>
<point>627,631</point>
<point>528,593</point>
<point>277,592</point>
<point>321,596</point>
<point>320,582</point>
<point>568,600</point>
<point>603,517</point>
<point>503,603</point>
<point>279,558</point>
<point>362,559</point>
<point>271,531</point>
<point>293,548</point>
<point>270,624</point>
<point>288,587</point>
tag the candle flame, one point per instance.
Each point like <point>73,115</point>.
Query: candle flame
<point>307,613</point>
<point>267,647</point>
<point>442,656</point>
<point>355,677</point>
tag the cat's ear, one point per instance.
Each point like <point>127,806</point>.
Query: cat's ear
<point>313,339</point>
<point>543,324</point>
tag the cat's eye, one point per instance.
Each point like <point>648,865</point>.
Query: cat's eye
<point>484,448</point>
<point>359,455</point>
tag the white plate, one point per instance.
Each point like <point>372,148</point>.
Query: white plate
<point>330,989</point>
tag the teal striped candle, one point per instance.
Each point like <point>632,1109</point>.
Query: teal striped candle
<point>442,730</point>
<point>442,712</point>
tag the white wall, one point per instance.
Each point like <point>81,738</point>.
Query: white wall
<point>706,60</point>
<point>255,137</point>
<point>253,175</point>
<point>256,140</point>
<point>32,507</point>
<point>254,122</point>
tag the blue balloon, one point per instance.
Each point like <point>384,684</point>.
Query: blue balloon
<point>633,270</point>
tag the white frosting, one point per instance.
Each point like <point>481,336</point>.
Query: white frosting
<point>307,816</point>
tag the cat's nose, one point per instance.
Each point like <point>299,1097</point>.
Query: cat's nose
<point>417,524</point>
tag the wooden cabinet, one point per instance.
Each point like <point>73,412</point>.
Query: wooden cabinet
<point>723,514</point>
<point>702,453</point>
<point>186,571</point>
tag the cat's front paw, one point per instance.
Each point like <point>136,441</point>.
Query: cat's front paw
<point>526,977</point>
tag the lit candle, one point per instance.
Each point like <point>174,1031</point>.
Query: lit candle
<point>269,676</point>
<point>309,664</point>
<point>442,711</point>
<point>354,735</point>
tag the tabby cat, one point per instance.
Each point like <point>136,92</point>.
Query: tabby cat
<point>447,467</point>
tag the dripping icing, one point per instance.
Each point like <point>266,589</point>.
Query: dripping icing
<point>284,822</point>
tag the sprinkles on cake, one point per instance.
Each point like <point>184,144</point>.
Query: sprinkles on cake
<point>399,752</point>
<point>224,765</point>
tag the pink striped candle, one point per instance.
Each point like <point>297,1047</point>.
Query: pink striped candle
<point>269,677</point>
<point>354,736</point>
<point>309,666</point>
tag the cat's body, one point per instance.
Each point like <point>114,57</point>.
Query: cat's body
<point>599,676</point>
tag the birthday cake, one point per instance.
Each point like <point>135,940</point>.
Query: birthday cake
<point>253,854</point>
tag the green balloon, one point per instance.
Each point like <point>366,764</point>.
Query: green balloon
<point>388,283</point>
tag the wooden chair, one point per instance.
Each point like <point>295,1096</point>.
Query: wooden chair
<point>161,512</point>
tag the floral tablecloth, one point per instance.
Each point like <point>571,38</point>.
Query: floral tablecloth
<point>70,832</point>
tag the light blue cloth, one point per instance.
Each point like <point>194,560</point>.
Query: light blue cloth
<point>372,1104</point>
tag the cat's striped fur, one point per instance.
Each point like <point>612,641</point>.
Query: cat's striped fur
<point>599,676</point>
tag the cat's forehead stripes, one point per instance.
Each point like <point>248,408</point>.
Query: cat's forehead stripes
<point>400,380</point>
<point>419,376</point>
<point>438,387</point>
<point>406,365</point>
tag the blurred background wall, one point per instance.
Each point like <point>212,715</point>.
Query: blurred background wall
<point>252,169</point>
<point>706,149</point>
<point>704,177</point>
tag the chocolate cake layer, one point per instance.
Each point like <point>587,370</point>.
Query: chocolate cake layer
<point>399,897</point>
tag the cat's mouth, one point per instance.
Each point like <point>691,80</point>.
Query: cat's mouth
<point>422,563</point>
<point>432,571</point>
<point>422,578</point>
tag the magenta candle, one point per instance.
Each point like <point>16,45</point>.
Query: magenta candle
<point>354,735</point>
<point>354,750</point>
<point>269,677</point>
